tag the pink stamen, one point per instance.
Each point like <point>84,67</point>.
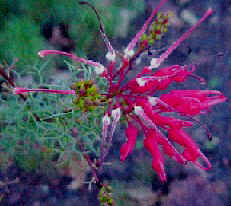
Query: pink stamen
<point>18,90</point>
<point>44,53</point>
<point>133,42</point>
<point>183,37</point>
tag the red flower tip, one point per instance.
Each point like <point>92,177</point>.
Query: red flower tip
<point>168,148</point>
<point>193,102</point>
<point>126,148</point>
<point>192,152</point>
<point>182,138</point>
<point>151,145</point>
<point>194,156</point>
<point>158,166</point>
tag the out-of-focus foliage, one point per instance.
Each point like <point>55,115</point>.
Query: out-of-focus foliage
<point>27,26</point>
<point>20,39</point>
<point>41,133</point>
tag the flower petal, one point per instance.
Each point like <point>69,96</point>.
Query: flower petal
<point>126,148</point>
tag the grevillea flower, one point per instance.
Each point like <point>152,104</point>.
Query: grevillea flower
<point>134,101</point>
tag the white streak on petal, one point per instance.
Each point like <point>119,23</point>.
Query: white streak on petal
<point>106,119</point>
<point>116,113</point>
<point>155,63</point>
<point>141,81</point>
<point>99,70</point>
<point>116,118</point>
<point>147,121</point>
<point>128,53</point>
<point>111,56</point>
<point>153,100</point>
<point>106,123</point>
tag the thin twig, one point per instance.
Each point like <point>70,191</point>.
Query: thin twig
<point>101,27</point>
<point>10,81</point>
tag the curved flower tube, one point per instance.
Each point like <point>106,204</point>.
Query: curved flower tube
<point>19,90</point>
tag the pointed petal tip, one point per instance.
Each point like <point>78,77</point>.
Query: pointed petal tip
<point>163,179</point>
<point>180,159</point>
<point>198,164</point>
<point>209,11</point>
<point>124,152</point>
<point>158,166</point>
<point>205,159</point>
<point>122,159</point>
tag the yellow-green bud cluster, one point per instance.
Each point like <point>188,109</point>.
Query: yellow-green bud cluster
<point>87,95</point>
<point>105,196</point>
<point>157,29</point>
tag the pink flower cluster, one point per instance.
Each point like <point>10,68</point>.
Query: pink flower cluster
<point>134,101</point>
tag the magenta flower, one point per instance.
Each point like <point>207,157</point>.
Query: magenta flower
<point>134,101</point>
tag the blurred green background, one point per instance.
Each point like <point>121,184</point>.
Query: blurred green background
<point>28,26</point>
